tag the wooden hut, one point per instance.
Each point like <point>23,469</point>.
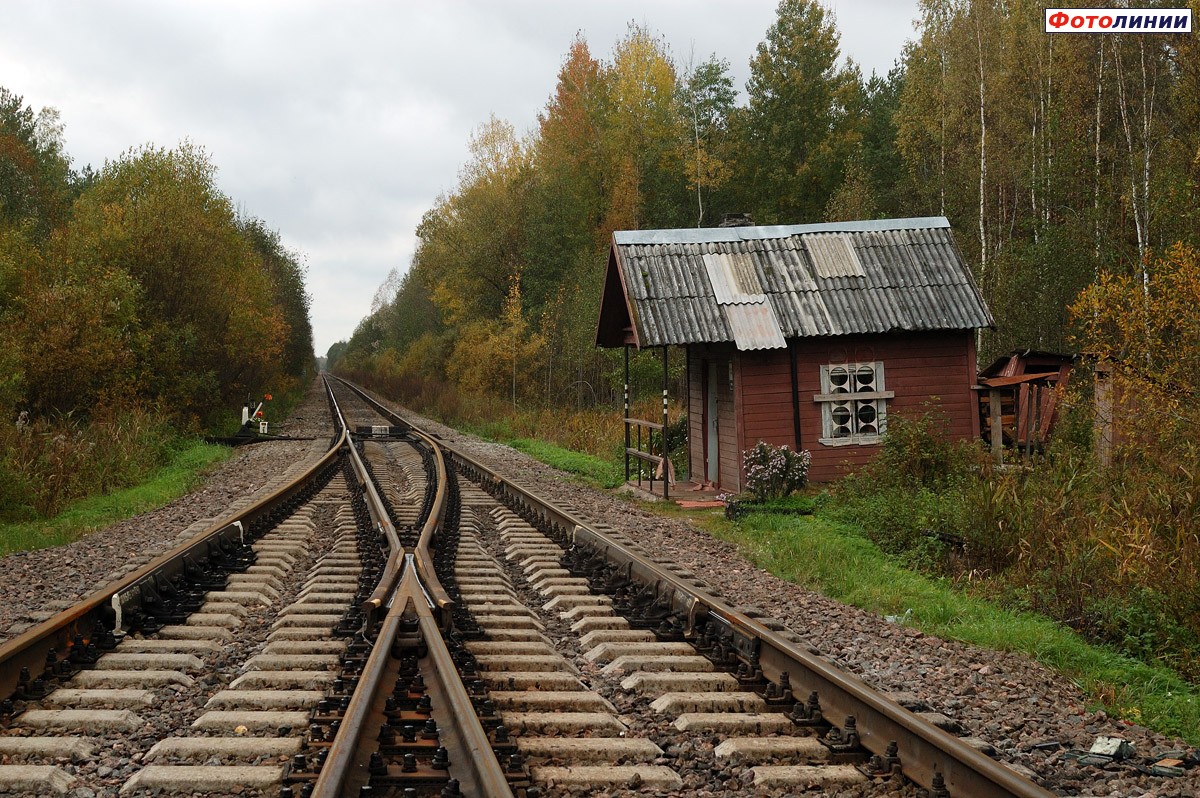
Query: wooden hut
<point>805,335</point>
<point>1018,399</point>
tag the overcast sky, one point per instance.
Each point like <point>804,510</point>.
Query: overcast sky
<point>337,123</point>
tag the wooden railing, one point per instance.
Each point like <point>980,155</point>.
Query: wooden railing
<point>661,460</point>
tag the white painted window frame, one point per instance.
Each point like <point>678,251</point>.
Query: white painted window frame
<point>827,398</point>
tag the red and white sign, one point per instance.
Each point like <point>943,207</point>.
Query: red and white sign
<point>1118,20</point>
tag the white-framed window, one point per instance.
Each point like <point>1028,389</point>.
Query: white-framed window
<point>853,403</point>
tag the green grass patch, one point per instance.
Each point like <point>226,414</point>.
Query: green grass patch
<point>837,560</point>
<point>500,431</point>
<point>84,516</point>
<point>590,469</point>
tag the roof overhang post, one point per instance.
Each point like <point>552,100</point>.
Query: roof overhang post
<point>666,450</point>
<point>625,416</point>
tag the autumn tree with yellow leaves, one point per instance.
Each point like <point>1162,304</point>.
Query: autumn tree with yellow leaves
<point>133,299</point>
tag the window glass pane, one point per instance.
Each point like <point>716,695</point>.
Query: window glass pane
<point>864,379</point>
<point>839,379</point>
<point>841,421</point>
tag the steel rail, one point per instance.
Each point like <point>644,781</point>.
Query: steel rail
<point>342,757</point>
<point>375,603</point>
<point>483,775</point>
<point>423,557</point>
<point>342,760</point>
<point>924,749</point>
<point>413,587</point>
<point>30,649</point>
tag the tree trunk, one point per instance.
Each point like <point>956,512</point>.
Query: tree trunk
<point>983,243</point>
<point>1096,162</point>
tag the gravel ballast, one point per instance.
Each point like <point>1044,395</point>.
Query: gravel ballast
<point>37,582</point>
<point>1010,701</point>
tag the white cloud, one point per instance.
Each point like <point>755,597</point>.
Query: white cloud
<point>339,123</point>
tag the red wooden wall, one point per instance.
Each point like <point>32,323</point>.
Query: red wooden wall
<point>917,367</point>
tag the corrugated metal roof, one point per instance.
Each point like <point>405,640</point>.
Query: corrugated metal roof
<point>696,235</point>
<point>833,255</point>
<point>754,326</point>
<point>731,284</point>
<point>732,278</point>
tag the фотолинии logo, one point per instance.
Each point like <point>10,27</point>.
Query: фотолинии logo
<point>1118,20</point>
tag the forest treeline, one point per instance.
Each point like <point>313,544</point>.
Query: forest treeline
<point>134,300</point>
<point>1056,158</point>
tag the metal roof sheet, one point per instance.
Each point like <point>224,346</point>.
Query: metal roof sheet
<point>733,278</point>
<point>696,235</point>
<point>833,255</point>
<point>804,280</point>
<point>754,326</point>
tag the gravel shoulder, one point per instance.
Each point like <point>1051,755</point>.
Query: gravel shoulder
<point>36,582</point>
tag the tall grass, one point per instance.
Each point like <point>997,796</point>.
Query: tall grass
<point>835,558</point>
<point>186,465</point>
<point>599,432</point>
<point>1110,551</point>
<point>48,463</point>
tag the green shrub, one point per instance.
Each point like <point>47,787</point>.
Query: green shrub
<point>1139,624</point>
<point>916,452</point>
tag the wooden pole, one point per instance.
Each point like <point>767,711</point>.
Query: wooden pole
<point>996,425</point>
<point>625,418</point>
<point>666,450</point>
<point>1031,399</point>
<point>1039,395</point>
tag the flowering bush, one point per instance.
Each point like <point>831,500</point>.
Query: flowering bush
<point>774,472</point>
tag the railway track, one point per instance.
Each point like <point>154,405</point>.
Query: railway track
<point>399,620</point>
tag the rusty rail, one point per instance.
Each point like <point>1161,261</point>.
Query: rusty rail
<point>422,553</point>
<point>404,587</point>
